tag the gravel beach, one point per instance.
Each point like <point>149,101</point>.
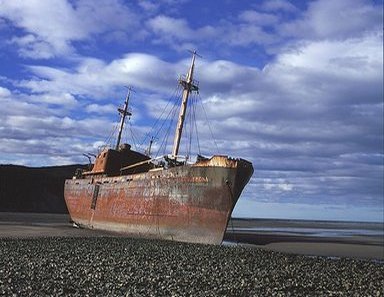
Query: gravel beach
<point>116,266</point>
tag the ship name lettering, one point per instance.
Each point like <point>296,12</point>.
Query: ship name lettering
<point>192,179</point>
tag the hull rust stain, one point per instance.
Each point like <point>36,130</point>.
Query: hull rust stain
<point>191,203</point>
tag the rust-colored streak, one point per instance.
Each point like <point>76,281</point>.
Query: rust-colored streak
<point>187,203</point>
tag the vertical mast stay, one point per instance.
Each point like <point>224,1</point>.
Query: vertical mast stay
<point>123,112</point>
<point>189,86</point>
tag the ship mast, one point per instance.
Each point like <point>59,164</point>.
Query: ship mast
<point>189,86</point>
<point>123,112</point>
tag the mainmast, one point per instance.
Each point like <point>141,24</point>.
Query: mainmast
<point>189,86</point>
<point>123,112</point>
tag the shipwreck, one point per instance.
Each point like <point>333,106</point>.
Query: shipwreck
<point>128,192</point>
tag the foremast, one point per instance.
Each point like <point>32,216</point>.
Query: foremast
<point>123,113</point>
<point>189,86</point>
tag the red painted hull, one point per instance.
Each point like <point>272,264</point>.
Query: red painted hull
<point>190,203</point>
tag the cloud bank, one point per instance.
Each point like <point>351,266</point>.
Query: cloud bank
<point>296,89</point>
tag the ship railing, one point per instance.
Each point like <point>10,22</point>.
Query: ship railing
<point>162,161</point>
<point>179,158</point>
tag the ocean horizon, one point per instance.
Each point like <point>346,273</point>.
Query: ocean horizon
<point>314,228</point>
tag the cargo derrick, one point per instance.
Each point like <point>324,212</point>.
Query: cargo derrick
<point>130,193</point>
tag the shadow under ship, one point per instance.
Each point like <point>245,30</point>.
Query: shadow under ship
<point>130,193</point>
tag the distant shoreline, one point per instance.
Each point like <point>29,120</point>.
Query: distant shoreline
<point>306,220</point>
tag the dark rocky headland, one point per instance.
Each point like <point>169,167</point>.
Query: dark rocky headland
<point>30,189</point>
<point>113,266</point>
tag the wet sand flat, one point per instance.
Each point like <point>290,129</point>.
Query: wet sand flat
<point>358,251</point>
<point>313,238</point>
<point>35,225</point>
<point>351,247</point>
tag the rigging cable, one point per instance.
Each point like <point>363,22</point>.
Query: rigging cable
<point>195,123</point>
<point>170,117</point>
<point>175,109</point>
<point>108,140</point>
<point>134,139</point>
<point>231,199</point>
<point>171,98</point>
<point>209,125</point>
<point>188,129</point>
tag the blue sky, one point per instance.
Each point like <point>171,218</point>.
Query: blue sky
<point>296,87</point>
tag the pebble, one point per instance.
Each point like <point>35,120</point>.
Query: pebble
<point>115,266</point>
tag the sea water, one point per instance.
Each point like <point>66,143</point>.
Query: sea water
<point>336,229</point>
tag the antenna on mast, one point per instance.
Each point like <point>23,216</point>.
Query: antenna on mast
<point>123,113</point>
<point>189,86</point>
<point>194,52</point>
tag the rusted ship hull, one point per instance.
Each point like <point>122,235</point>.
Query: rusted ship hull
<point>190,203</point>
